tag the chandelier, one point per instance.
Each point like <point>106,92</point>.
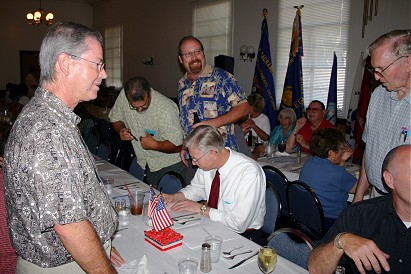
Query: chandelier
<point>36,18</point>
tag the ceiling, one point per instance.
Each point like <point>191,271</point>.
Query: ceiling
<point>85,2</point>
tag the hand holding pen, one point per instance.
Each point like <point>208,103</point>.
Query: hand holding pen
<point>126,135</point>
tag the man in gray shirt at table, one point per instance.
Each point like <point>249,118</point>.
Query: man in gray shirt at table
<point>150,121</point>
<point>60,217</point>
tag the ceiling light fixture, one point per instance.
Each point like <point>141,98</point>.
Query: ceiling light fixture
<point>36,18</point>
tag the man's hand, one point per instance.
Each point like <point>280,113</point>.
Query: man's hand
<point>115,257</point>
<point>168,198</point>
<point>148,142</point>
<point>300,124</point>
<point>125,134</point>
<point>365,253</point>
<point>186,205</point>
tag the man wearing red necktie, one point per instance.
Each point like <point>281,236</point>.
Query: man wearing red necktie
<point>232,183</point>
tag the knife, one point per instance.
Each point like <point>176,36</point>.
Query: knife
<point>242,261</point>
<point>181,216</point>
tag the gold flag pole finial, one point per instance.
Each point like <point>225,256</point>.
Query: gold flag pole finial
<point>265,12</point>
<point>299,7</point>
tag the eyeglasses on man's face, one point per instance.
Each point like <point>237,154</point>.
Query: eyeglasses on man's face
<point>315,110</point>
<point>195,160</point>
<point>100,65</point>
<point>379,73</point>
<point>196,52</point>
<point>143,107</point>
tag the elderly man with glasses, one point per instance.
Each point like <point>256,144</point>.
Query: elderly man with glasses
<point>232,183</point>
<point>388,119</point>
<point>303,131</point>
<point>150,121</point>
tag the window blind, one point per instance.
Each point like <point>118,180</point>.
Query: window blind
<point>325,29</point>
<point>212,24</point>
<point>114,56</point>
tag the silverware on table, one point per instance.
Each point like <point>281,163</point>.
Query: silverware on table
<point>182,216</point>
<point>183,223</point>
<point>235,255</point>
<point>229,252</point>
<point>242,261</point>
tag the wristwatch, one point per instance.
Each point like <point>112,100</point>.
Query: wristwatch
<point>203,209</point>
<point>337,242</point>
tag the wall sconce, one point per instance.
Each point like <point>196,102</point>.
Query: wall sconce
<point>148,61</point>
<point>247,53</point>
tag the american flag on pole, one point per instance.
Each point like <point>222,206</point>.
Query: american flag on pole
<point>161,219</point>
<point>152,203</point>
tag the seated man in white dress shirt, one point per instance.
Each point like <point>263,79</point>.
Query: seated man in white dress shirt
<point>240,200</point>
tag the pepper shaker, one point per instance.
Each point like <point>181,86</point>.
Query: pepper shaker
<point>205,263</point>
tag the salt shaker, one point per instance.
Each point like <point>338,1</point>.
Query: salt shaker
<point>298,160</point>
<point>205,264</point>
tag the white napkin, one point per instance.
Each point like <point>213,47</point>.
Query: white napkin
<point>282,153</point>
<point>133,267</point>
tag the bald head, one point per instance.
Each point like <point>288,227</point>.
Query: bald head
<point>396,164</point>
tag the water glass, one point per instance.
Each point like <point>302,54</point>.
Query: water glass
<point>109,184</point>
<point>123,212</point>
<point>187,266</point>
<point>215,243</point>
<point>267,259</point>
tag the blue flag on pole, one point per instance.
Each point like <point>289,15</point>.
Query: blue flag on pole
<point>263,81</point>
<point>293,95</point>
<point>331,114</point>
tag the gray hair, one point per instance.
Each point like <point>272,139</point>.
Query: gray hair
<point>401,45</point>
<point>63,38</point>
<point>137,88</point>
<point>205,138</point>
<point>289,113</point>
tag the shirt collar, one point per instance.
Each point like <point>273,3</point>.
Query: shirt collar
<point>55,103</point>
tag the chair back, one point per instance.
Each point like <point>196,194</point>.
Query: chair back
<point>294,251</point>
<point>171,182</point>
<point>136,170</point>
<point>305,209</point>
<point>273,207</point>
<point>277,179</point>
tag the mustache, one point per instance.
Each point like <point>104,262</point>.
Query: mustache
<point>194,61</point>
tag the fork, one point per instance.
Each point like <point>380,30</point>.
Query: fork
<point>229,252</point>
<point>183,223</point>
<point>233,256</point>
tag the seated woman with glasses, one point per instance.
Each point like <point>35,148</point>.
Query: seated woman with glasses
<point>325,172</point>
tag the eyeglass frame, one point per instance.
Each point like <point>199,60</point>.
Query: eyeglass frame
<point>195,160</point>
<point>102,64</point>
<point>143,107</point>
<point>315,110</point>
<point>379,73</point>
<point>196,52</point>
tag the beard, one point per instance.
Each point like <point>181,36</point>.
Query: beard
<point>195,66</point>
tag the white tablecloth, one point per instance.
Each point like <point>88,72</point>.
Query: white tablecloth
<point>132,246</point>
<point>288,165</point>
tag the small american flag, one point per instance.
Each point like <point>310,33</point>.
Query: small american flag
<point>152,203</point>
<point>161,218</point>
